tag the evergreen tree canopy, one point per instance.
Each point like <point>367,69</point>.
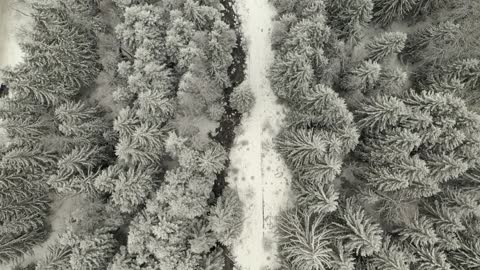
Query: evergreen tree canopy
<point>350,17</point>
<point>393,131</point>
<point>304,240</point>
<point>363,77</point>
<point>386,11</point>
<point>385,45</point>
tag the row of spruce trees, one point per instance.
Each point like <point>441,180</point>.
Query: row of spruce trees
<point>144,179</point>
<point>387,176</point>
<point>60,59</point>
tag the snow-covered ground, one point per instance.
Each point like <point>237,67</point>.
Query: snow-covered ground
<point>257,171</point>
<point>10,20</point>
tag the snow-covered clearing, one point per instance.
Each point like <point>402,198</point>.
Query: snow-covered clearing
<point>257,171</point>
<point>11,18</point>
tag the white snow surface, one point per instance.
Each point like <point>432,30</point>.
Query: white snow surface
<point>11,19</point>
<point>257,172</point>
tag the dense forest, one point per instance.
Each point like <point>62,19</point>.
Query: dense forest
<point>146,169</point>
<point>381,136</point>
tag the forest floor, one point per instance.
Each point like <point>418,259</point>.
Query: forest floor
<point>257,171</point>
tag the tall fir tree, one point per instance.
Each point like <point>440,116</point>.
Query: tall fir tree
<point>385,45</point>
<point>363,77</point>
<point>304,240</point>
<point>291,74</point>
<point>361,235</point>
<point>418,41</point>
<point>350,17</point>
<point>12,247</point>
<point>386,11</point>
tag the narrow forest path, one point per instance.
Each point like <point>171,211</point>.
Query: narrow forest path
<point>257,171</point>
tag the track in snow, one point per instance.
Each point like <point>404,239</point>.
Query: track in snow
<point>257,171</point>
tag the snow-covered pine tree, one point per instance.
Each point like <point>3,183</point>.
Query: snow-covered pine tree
<point>304,240</point>
<point>242,98</point>
<point>12,109</point>
<point>281,29</point>
<point>76,112</point>
<point>186,193</point>
<point>467,71</point>
<point>392,80</point>
<point>132,188</point>
<point>391,256</point>
<point>468,255</point>
<point>10,179</point>
<point>64,42</point>
<point>444,218</point>
<point>301,147</point>
<point>393,147</point>
<point>131,152</point>
<point>18,207</point>
<point>381,112</point>
<point>422,38</point>
<point>215,260</point>
<point>202,238</point>
<point>291,74</point>
<point>426,7</point>
<point>226,217</point>
<point>212,160</point>
<point>386,11</point>
<point>361,235</point>
<point>418,231</point>
<point>126,122</point>
<point>413,167</point>
<point>155,106</point>
<point>24,224</point>
<point>461,200</point>
<point>221,42</point>
<point>341,258</point>
<point>31,266</point>
<point>216,111</point>
<point>150,136</point>
<point>82,159</point>
<point>323,105</point>
<point>350,17</point>
<point>301,8</point>
<point>445,167</point>
<point>124,261</point>
<point>37,87</point>
<point>308,36</point>
<point>319,134</point>
<point>92,130</point>
<point>12,247</point>
<point>445,85</point>
<point>325,170</point>
<point>363,77</point>
<point>315,196</point>
<point>385,45</point>
<point>198,14</point>
<point>421,188</point>
<point>430,258</point>
<point>92,251</point>
<point>58,257</point>
<point>385,179</point>
<point>25,129</point>
<point>25,159</point>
